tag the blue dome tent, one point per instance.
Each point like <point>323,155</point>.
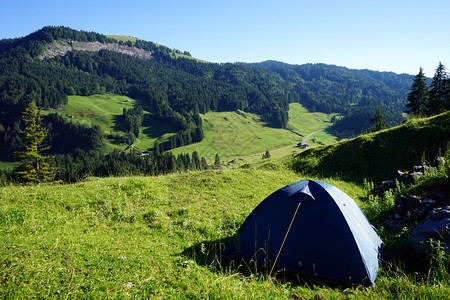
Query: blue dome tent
<point>310,227</point>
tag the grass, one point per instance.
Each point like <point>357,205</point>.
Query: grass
<point>156,237</point>
<point>377,156</point>
<point>237,134</point>
<point>304,122</point>
<point>106,110</point>
<point>230,134</point>
<point>101,110</point>
<point>7,162</point>
<point>122,38</point>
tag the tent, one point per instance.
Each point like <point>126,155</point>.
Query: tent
<point>310,227</point>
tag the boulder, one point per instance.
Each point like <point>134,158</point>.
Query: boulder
<point>436,226</point>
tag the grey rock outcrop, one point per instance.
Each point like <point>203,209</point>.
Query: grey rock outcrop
<point>61,47</point>
<point>436,226</point>
<point>431,211</point>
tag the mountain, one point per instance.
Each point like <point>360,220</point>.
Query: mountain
<point>54,62</point>
<point>353,93</point>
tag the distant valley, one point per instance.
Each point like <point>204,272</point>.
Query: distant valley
<point>177,101</point>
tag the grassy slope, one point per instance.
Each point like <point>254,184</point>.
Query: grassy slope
<point>230,134</point>
<point>235,134</point>
<point>122,38</point>
<point>104,110</point>
<point>377,156</point>
<point>152,237</point>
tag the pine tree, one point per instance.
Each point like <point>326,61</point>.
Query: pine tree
<point>447,94</point>
<point>418,97</point>
<point>156,148</point>
<point>196,163</point>
<point>266,155</point>
<point>378,119</point>
<point>204,164</point>
<point>34,167</point>
<point>217,161</point>
<point>438,91</point>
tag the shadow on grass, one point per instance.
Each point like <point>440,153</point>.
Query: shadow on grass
<point>153,127</point>
<point>119,123</point>
<point>210,254</point>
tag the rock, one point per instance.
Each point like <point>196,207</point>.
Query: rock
<point>438,197</point>
<point>404,177</point>
<point>388,184</point>
<point>439,161</point>
<point>416,175</point>
<point>410,201</point>
<point>417,169</point>
<point>62,47</point>
<point>436,226</point>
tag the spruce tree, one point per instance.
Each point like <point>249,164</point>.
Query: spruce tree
<point>34,167</point>
<point>438,91</point>
<point>378,119</point>
<point>418,97</point>
<point>217,161</point>
<point>266,155</point>
<point>204,164</point>
<point>447,94</point>
<point>196,163</point>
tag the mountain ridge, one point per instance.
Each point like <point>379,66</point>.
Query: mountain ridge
<point>176,89</point>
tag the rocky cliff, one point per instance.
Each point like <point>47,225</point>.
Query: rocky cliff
<point>61,47</point>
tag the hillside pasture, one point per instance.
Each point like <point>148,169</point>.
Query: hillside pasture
<point>240,135</point>
<point>106,111</point>
<point>160,238</point>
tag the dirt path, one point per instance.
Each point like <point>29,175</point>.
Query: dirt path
<point>309,135</point>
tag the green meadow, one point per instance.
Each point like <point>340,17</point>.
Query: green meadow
<point>162,238</point>
<point>122,38</point>
<point>106,111</point>
<point>232,135</point>
<point>239,134</point>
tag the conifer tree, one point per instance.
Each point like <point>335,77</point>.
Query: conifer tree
<point>378,119</point>
<point>418,97</point>
<point>438,91</point>
<point>196,163</point>
<point>447,94</point>
<point>204,164</point>
<point>217,161</point>
<point>34,167</point>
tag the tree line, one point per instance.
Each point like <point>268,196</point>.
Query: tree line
<point>355,94</point>
<point>176,90</point>
<point>70,163</point>
<point>424,100</point>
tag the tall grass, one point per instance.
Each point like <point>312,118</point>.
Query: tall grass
<point>161,237</point>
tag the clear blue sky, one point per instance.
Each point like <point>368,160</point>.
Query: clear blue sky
<point>385,35</point>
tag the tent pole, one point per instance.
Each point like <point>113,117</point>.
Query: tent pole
<point>285,236</point>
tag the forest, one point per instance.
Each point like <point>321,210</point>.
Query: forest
<point>177,89</point>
